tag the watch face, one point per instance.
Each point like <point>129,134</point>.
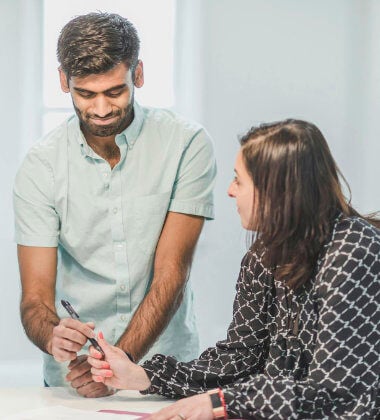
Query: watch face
<point>218,404</point>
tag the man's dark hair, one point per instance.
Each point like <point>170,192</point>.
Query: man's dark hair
<point>95,43</point>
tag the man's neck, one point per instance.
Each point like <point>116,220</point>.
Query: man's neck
<point>100,143</point>
<point>104,147</point>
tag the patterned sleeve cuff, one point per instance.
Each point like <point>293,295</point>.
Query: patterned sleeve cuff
<point>229,399</point>
<point>153,388</point>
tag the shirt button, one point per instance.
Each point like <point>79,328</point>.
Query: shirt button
<point>115,210</point>
<point>105,174</point>
<point>123,318</point>
<point>122,287</point>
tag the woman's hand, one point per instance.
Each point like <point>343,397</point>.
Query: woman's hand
<point>197,407</point>
<point>116,370</point>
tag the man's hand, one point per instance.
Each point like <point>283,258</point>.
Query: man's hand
<point>69,336</point>
<point>198,407</point>
<point>116,370</point>
<point>80,378</point>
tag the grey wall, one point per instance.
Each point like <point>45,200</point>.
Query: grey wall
<point>20,111</point>
<point>260,61</point>
<point>239,62</point>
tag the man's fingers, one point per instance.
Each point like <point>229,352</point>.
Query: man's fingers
<point>91,389</point>
<point>76,325</point>
<point>81,380</point>
<point>69,336</point>
<point>66,344</point>
<point>78,360</point>
<point>78,371</point>
<point>63,356</point>
<point>98,390</point>
<point>63,349</point>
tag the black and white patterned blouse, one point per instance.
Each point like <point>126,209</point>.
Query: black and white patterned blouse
<point>311,354</point>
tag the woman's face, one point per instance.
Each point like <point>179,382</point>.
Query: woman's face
<point>242,190</point>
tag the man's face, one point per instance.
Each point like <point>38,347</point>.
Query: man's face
<point>104,102</point>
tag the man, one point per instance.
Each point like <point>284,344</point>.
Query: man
<point>109,207</point>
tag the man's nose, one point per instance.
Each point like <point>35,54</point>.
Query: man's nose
<point>101,106</point>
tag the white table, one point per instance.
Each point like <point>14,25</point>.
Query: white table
<point>15,400</point>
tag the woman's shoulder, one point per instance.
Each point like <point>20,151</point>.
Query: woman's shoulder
<point>356,231</point>
<point>353,251</point>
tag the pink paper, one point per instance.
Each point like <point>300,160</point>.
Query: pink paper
<point>139,415</point>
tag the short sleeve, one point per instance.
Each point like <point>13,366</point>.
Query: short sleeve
<point>36,221</point>
<point>193,189</point>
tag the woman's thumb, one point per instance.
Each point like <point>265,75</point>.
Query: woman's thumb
<point>102,342</point>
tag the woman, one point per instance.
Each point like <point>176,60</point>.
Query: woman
<point>304,339</point>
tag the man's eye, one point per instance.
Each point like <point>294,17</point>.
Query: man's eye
<point>114,94</point>
<point>86,95</point>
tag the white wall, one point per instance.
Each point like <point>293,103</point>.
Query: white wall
<point>20,110</point>
<point>266,60</point>
<point>240,62</point>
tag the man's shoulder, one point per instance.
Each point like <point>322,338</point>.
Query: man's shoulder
<point>166,119</point>
<point>51,144</point>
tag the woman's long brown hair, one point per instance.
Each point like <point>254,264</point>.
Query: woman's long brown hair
<point>299,195</point>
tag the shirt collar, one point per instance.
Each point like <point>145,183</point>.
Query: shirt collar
<point>130,134</point>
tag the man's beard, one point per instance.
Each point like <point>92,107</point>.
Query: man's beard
<point>125,117</point>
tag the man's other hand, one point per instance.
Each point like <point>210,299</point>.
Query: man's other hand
<point>81,379</point>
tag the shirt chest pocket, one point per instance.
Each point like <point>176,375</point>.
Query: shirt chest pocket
<point>145,217</point>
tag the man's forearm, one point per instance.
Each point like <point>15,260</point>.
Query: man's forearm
<point>38,321</point>
<point>155,312</point>
<point>174,254</point>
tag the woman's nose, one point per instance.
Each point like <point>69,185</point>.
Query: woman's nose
<point>231,190</point>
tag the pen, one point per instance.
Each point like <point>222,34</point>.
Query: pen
<point>67,305</point>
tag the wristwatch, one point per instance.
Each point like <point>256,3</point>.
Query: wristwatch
<point>219,409</point>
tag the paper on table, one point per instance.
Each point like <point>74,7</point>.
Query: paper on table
<point>140,416</point>
<point>59,412</point>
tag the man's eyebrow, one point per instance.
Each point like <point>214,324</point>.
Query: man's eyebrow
<point>78,89</point>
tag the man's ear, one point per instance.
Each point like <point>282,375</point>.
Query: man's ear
<point>63,80</point>
<point>139,74</point>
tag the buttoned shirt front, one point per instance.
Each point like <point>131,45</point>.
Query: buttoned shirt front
<point>106,223</point>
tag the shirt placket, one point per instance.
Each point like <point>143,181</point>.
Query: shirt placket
<point>119,246</point>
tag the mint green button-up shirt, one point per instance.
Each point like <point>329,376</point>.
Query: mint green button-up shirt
<point>106,223</point>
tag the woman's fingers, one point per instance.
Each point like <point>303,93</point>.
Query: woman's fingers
<point>96,363</point>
